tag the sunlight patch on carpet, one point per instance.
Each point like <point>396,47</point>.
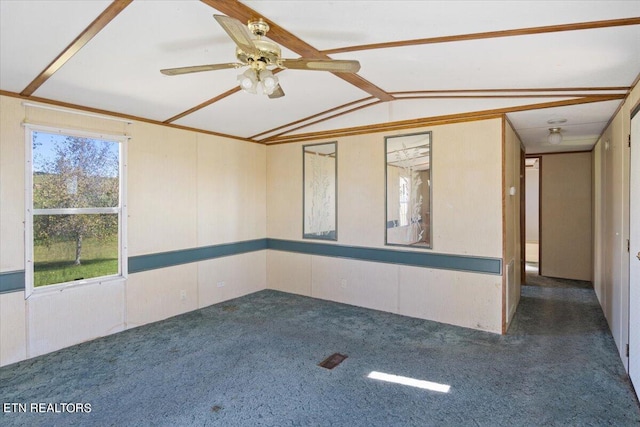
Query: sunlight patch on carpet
<point>412,382</point>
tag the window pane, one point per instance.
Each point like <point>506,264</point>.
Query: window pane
<point>74,247</point>
<point>74,172</point>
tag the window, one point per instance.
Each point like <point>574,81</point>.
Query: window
<point>74,207</point>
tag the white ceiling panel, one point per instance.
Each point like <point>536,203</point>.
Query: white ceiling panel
<point>408,109</point>
<point>119,70</point>
<point>584,125</point>
<point>243,114</point>
<point>576,114</point>
<point>334,24</point>
<point>577,137</point>
<point>603,57</point>
<point>31,36</point>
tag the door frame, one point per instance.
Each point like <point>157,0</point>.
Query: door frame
<point>539,157</point>
<point>633,330</point>
<point>523,222</point>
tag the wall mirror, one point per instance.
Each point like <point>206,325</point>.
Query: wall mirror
<point>408,190</point>
<point>320,163</point>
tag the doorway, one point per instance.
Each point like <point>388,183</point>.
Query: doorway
<point>533,166</point>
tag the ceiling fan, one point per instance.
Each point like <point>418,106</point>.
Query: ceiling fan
<point>262,57</point>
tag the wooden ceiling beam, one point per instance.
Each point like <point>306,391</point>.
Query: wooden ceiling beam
<point>319,117</point>
<point>320,120</point>
<point>67,105</point>
<point>445,94</point>
<point>209,102</point>
<point>94,28</point>
<point>566,90</point>
<point>202,105</point>
<point>432,121</point>
<point>284,38</point>
<point>490,35</point>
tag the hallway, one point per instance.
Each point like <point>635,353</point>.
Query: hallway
<point>253,361</point>
<point>567,337</point>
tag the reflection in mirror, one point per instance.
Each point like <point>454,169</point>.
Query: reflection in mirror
<point>408,190</point>
<point>320,180</point>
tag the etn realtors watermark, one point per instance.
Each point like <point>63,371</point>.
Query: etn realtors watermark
<point>47,408</point>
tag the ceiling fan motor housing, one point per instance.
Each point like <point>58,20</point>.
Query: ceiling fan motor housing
<point>269,54</point>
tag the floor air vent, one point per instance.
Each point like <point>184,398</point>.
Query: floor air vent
<point>332,361</point>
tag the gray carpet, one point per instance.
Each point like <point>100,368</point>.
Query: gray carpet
<point>253,361</point>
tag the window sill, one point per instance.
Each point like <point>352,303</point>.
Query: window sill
<point>61,287</point>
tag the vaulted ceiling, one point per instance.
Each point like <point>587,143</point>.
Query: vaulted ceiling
<point>421,62</point>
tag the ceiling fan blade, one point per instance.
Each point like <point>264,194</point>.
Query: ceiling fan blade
<point>277,93</point>
<point>199,68</point>
<point>239,33</point>
<point>334,65</point>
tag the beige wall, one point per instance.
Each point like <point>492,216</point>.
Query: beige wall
<point>532,215</point>
<point>13,331</point>
<point>188,190</point>
<point>185,190</point>
<point>532,205</point>
<point>566,216</point>
<point>611,222</point>
<point>12,184</point>
<point>599,203</point>
<point>512,234</point>
<point>467,220</point>
<point>13,311</point>
<point>161,189</point>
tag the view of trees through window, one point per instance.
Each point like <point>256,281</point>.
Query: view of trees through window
<point>76,206</point>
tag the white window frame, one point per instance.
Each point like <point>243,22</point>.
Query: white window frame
<point>121,210</point>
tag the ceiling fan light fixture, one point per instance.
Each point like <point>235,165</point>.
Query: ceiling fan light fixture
<point>555,137</point>
<point>248,81</point>
<point>269,81</point>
